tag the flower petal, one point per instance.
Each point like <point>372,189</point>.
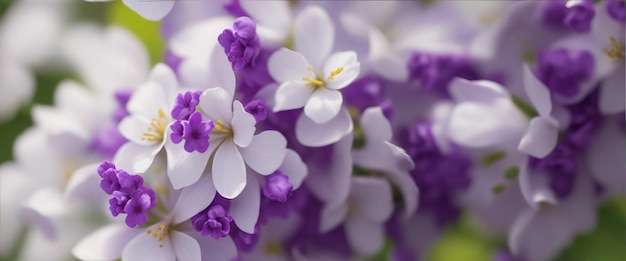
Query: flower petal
<point>314,35</point>
<point>275,15</point>
<point>266,152</point>
<point>312,134</point>
<point>332,216</point>
<point>105,243</point>
<point>82,184</point>
<point>294,168</point>
<point>606,157</point>
<point>478,91</point>
<point>612,92</point>
<point>537,92</point>
<point>286,65</point>
<point>375,125</point>
<point>146,247</point>
<point>330,182</point>
<point>350,68</point>
<point>243,125</point>
<point>364,236</point>
<point>245,208</point>
<point>540,138</point>
<point>372,197</point>
<point>42,208</point>
<point>229,171</point>
<point>133,127</point>
<point>323,105</point>
<point>216,104</point>
<point>186,247</point>
<point>135,158</point>
<point>391,68</point>
<point>151,10</point>
<point>535,187</point>
<point>292,95</point>
<point>184,168</point>
<point>223,249</point>
<point>148,99</point>
<point>194,199</point>
<point>220,71</point>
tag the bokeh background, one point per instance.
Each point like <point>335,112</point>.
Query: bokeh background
<point>460,242</point>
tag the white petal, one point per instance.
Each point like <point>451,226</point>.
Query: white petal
<point>535,187</point>
<point>184,168</point>
<point>135,158</point>
<point>292,95</point>
<point>606,157</point>
<point>286,65</point>
<point>105,243</point>
<point>294,168</point>
<point>223,249</point>
<point>133,127</point>
<point>229,171</point>
<point>314,35</point>
<point>194,199</point>
<point>58,123</point>
<point>83,183</point>
<point>365,237</point>
<point>148,99</point>
<point>537,92</point>
<point>479,91</point>
<point>375,125</point>
<point>220,71</point>
<point>312,134</point>
<point>613,92</point>
<point>323,105</point>
<point>266,152</point>
<point>243,125</point>
<point>186,247</point>
<point>540,138</point>
<point>372,197</point>
<point>275,16</point>
<point>350,69</point>
<point>166,78</point>
<point>391,68</point>
<point>245,208</point>
<point>475,125</point>
<point>332,216</point>
<point>17,85</point>
<point>42,208</point>
<point>216,103</point>
<point>151,10</point>
<point>146,247</point>
<point>331,182</point>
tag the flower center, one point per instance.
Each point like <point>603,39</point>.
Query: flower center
<point>222,128</point>
<point>615,50</point>
<point>159,233</point>
<point>335,73</point>
<point>157,128</point>
<point>319,80</point>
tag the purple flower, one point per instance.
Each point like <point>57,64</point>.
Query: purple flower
<point>185,105</point>
<point>213,221</point>
<point>561,165</point>
<point>196,133</point>
<point>257,109</point>
<point>109,182</point>
<point>177,132</point>
<point>234,8</point>
<point>616,9</point>
<point>107,141</point>
<point>277,187</point>
<point>121,96</point>
<point>241,44</point>
<point>554,13</point>
<point>129,183</point>
<point>434,71</point>
<point>563,70</point>
<point>137,207</point>
<point>118,202</point>
<point>579,16</point>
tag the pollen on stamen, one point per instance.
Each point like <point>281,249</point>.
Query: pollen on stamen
<point>335,73</point>
<point>157,128</point>
<point>219,127</point>
<point>313,81</point>
<point>615,50</point>
<point>159,233</point>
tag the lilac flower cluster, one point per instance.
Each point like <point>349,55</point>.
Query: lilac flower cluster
<point>331,130</point>
<point>130,196</point>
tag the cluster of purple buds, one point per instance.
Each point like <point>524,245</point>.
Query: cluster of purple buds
<point>189,125</point>
<point>213,221</point>
<point>241,44</point>
<point>130,196</point>
<point>576,15</point>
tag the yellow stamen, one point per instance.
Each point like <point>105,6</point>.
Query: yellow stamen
<point>615,50</point>
<point>219,127</point>
<point>159,233</point>
<point>273,249</point>
<point>313,81</point>
<point>335,73</point>
<point>157,128</point>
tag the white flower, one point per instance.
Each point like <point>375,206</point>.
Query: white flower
<point>147,125</point>
<point>312,79</point>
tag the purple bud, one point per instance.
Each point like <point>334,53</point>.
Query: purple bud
<point>257,108</point>
<point>104,166</point>
<point>616,10</point>
<point>563,70</point>
<point>579,16</point>
<point>129,183</point>
<point>137,208</point>
<point>242,44</point>
<point>213,221</point>
<point>118,202</point>
<point>185,105</point>
<point>177,132</point>
<point>277,187</point>
<point>121,96</point>
<point>196,133</point>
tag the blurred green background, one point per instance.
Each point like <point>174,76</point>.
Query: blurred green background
<point>607,242</point>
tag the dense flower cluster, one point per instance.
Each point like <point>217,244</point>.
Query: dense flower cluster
<point>325,130</point>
